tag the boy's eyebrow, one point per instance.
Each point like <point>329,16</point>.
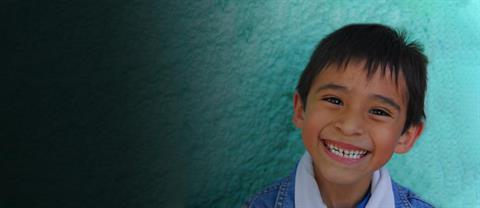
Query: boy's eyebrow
<point>384,99</point>
<point>331,86</point>
<point>387,101</point>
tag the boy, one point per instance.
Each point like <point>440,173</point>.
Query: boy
<point>359,100</point>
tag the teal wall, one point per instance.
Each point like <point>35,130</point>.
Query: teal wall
<point>188,103</point>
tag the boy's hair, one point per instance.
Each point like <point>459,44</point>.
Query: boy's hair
<point>381,47</point>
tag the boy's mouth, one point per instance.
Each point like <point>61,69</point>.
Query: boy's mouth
<point>344,151</point>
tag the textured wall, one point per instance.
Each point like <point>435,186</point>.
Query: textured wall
<point>188,103</point>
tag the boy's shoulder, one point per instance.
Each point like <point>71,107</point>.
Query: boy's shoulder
<point>281,194</point>
<point>406,198</point>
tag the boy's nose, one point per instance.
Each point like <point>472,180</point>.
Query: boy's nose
<point>350,123</point>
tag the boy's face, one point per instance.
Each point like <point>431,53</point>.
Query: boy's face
<point>352,125</point>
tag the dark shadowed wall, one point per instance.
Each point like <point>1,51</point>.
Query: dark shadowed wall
<point>188,103</point>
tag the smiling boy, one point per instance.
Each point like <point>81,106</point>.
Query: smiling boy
<point>359,100</point>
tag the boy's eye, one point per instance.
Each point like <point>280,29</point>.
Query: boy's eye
<point>333,100</point>
<point>379,112</point>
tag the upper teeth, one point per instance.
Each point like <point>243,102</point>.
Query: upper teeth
<point>352,154</point>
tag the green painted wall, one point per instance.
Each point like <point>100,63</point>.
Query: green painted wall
<point>188,103</point>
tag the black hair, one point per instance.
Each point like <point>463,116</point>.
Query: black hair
<point>381,47</point>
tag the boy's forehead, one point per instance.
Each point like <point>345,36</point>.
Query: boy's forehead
<point>359,70</point>
<point>384,71</point>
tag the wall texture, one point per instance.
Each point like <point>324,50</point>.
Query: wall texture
<point>188,103</point>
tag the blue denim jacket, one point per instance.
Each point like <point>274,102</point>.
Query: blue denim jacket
<point>281,195</point>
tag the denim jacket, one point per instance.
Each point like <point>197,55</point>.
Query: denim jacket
<point>281,194</point>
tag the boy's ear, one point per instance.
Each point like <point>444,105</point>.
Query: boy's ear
<point>408,139</point>
<point>298,115</point>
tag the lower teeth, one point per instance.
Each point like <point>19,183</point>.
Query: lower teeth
<point>338,153</point>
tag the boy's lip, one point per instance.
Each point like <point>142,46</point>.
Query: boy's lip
<point>346,157</point>
<point>343,145</point>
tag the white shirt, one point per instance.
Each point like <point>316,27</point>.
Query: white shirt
<point>307,194</point>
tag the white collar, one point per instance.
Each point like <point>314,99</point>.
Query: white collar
<point>307,194</point>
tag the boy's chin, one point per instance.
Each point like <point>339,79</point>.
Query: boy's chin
<point>343,178</point>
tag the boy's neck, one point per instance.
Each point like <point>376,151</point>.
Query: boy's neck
<point>342,195</point>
